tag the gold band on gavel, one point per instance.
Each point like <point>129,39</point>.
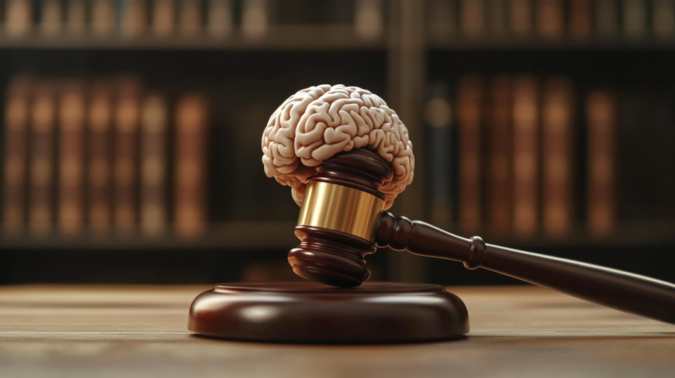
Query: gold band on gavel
<point>340,208</point>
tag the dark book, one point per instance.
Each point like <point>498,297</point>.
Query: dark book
<point>580,18</point>
<point>606,18</point>
<point>441,17</point>
<point>102,19</point>
<point>499,154</point>
<point>368,18</point>
<point>470,155</point>
<point>100,113</point>
<point>634,18</point>
<point>163,18</point>
<point>438,117</point>
<point>189,17</point>
<point>521,16</point>
<point>663,156</point>
<point>220,17</point>
<point>550,18</point>
<point>663,18</point>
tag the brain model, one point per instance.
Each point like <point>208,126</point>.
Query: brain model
<point>318,122</point>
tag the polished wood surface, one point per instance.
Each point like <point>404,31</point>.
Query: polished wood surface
<point>308,312</point>
<point>142,331</point>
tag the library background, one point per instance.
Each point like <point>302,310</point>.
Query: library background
<point>131,131</point>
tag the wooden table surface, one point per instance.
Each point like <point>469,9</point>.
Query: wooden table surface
<point>129,331</point>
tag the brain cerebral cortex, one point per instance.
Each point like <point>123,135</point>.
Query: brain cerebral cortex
<point>318,122</point>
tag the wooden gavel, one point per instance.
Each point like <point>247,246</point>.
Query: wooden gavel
<point>341,221</point>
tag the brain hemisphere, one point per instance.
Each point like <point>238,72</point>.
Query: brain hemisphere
<point>318,122</point>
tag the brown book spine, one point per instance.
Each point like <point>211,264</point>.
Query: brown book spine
<point>499,186</point>
<point>133,20</point>
<point>525,155</point>
<point>127,118</point>
<point>71,116</point>
<point>51,20</point>
<point>190,20</point>
<point>18,17</point>
<point>16,150</point>
<point>254,18</point>
<point>550,18</point>
<point>634,18</point>
<point>41,179</point>
<point>76,17</point>
<point>601,172</point>
<point>368,18</point>
<point>520,17</point>
<point>154,125</point>
<point>220,17</point>
<point>469,99</point>
<point>102,17</point>
<point>163,17</point>
<point>606,17</point>
<point>557,137</point>
<point>580,18</point>
<point>441,17</point>
<point>472,17</point>
<point>190,169</point>
<point>99,177</point>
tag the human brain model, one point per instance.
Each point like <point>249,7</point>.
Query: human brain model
<point>318,122</point>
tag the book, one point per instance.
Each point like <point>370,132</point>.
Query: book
<point>163,18</point>
<point>71,154</point>
<point>550,18</point>
<point>153,161</point>
<point>662,156</point>
<point>634,18</point>
<point>126,120</point>
<point>132,17</point>
<point>557,156</point>
<point>663,18</point>
<point>17,116</point>
<point>469,152</point>
<point>99,156</point>
<point>190,213</point>
<point>18,17</point>
<point>441,17</point>
<point>497,17</point>
<point>51,17</point>
<point>368,19</point>
<point>220,18</point>
<point>189,17</point>
<point>254,18</point>
<point>438,117</point>
<point>102,17</point>
<point>580,18</point>
<point>76,17</point>
<point>606,18</point>
<point>601,161</point>
<point>472,17</point>
<point>526,129</point>
<point>520,17</point>
<point>41,159</point>
<point>499,154</point>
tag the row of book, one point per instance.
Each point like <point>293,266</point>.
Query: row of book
<point>164,18</point>
<point>103,155</point>
<point>525,155</point>
<point>550,19</point>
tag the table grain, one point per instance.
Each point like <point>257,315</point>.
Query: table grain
<point>140,331</point>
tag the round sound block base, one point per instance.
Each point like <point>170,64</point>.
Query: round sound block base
<point>307,312</point>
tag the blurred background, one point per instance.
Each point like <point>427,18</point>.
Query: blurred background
<point>131,130</point>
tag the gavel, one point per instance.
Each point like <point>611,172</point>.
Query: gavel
<point>342,220</point>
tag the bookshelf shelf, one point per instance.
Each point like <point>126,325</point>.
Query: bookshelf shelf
<point>222,236</point>
<point>533,45</point>
<point>287,37</point>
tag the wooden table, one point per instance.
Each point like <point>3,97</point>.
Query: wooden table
<point>128,331</point>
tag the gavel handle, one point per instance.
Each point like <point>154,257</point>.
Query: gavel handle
<point>609,287</point>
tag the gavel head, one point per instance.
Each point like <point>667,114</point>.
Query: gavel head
<point>338,219</point>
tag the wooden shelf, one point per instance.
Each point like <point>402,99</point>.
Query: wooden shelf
<point>435,42</point>
<point>293,37</point>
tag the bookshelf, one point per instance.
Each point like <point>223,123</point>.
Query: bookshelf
<point>400,63</point>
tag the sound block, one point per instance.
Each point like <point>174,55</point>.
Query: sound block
<point>308,312</point>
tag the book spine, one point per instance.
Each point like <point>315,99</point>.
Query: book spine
<point>190,169</point>
<point>606,18</point>
<point>469,99</point>
<point>442,17</point>
<point>71,118</point>
<point>41,176</point>
<point>127,118</point>
<point>163,18</point>
<point>220,18</point>
<point>51,17</point>
<point>18,17</point>
<point>634,190</point>
<point>557,136</point>
<point>99,177</point>
<point>520,17</point>
<point>498,188</point>
<point>580,18</point>
<point>190,18</point>
<point>132,13</point>
<point>663,18</point>
<point>496,11</point>
<point>102,17</point>
<point>472,17</point>
<point>550,18</point>
<point>438,116</point>
<point>154,120</point>
<point>525,156</point>
<point>662,157</point>
<point>254,18</point>
<point>601,168</point>
<point>76,17</point>
<point>634,18</point>
<point>16,150</point>
<point>368,19</point>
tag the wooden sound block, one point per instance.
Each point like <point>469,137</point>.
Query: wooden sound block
<point>308,312</point>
